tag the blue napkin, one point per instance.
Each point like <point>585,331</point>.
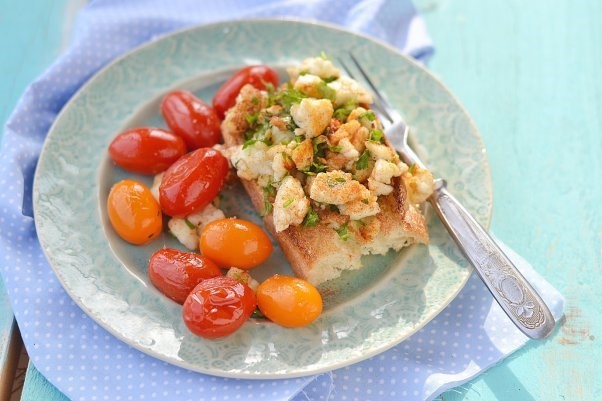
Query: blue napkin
<point>87,363</point>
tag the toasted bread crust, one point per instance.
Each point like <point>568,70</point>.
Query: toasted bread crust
<point>317,254</point>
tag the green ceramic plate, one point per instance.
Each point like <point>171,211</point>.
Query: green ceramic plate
<point>371,311</point>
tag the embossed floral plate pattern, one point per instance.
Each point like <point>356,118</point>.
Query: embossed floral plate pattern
<point>366,312</point>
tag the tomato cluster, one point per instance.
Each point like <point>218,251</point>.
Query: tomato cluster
<point>213,305</point>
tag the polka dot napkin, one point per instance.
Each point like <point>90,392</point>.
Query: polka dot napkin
<point>87,363</point>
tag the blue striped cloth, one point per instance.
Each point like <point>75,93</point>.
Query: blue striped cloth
<point>87,363</point>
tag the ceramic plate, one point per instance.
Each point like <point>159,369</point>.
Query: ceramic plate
<point>373,309</point>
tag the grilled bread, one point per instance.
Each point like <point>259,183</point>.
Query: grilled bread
<point>315,163</point>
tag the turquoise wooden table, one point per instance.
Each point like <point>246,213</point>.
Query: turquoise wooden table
<point>528,72</point>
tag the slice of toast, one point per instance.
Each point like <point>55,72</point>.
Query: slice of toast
<point>320,252</point>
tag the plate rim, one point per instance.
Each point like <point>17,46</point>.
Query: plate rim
<point>211,26</point>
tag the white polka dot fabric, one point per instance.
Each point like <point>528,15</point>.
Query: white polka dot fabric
<point>87,363</point>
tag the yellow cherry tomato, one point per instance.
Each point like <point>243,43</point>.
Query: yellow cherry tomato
<point>133,212</point>
<point>289,301</point>
<point>235,242</point>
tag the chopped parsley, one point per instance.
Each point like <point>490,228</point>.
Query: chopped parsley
<point>362,162</point>
<point>376,135</point>
<point>344,233</point>
<point>267,207</point>
<point>268,192</point>
<point>333,182</point>
<point>249,142</point>
<point>341,113</point>
<point>287,97</point>
<point>311,219</point>
<point>320,144</point>
<point>252,118</point>
<point>326,92</point>
<point>368,116</point>
<point>190,224</point>
<point>288,202</point>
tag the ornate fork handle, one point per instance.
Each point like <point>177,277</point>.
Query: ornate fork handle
<point>507,285</point>
<point>511,290</point>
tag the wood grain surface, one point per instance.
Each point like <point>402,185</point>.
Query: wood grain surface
<point>529,74</point>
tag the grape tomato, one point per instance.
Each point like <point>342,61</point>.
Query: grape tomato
<point>289,301</point>
<point>192,119</point>
<point>176,273</point>
<point>235,242</point>
<point>192,182</point>
<point>146,150</point>
<point>256,75</point>
<point>218,307</point>
<point>133,212</point>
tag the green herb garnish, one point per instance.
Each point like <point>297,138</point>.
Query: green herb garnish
<point>288,202</point>
<point>252,118</point>
<point>190,224</point>
<point>287,97</point>
<point>362,162</point>
<point>248,143</point>
<point>326,92</point>
<point>341,113</point>
<point>333,182</point>
<point>367,116</point>
<point>311,218</point>
<point>376,135</point>
<point>267,207</point>
<point>344,233</point>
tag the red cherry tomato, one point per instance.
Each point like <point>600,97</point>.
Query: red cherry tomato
<point>146,150</point>
<point>256,75</point>
<point>218,307</point>
<point>192,119</point>
<point>192,182</point>
<point>176,273</point>
<point>289,301</point>
<point>133,212</point>
<point>235,242</point>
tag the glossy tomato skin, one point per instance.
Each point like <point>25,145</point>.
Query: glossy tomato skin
<point>192,119</point>
<point>192,182</point>
<point>146,150</point>
<point>218,307</point>
<point>256,75</point>
<point>176,273</point>
<point>289,301</point>
<point>235,242</point>
<point>133,212</point>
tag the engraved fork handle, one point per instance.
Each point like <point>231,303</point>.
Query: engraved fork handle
<point>507,285</point>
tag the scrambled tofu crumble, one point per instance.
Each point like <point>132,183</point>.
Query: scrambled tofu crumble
<point>314,144</point>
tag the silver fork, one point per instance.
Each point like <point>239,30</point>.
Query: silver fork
<point>510,289</point>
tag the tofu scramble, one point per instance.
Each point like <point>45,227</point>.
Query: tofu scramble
<point>315,147</point>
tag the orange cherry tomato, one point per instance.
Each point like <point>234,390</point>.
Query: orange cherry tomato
<point>176,273</point>
<point>235,242</point>
<point>289,301</point>
<point>218,306</point>
<point>133,212</point>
